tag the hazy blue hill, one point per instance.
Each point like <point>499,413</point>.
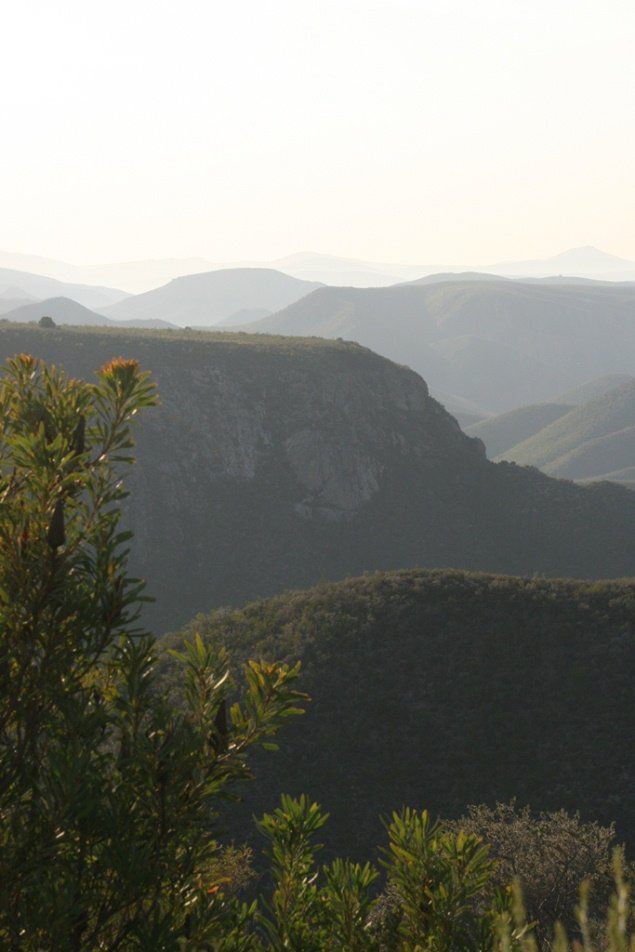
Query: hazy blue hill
<point>590,440</point>
<point>493,368</point>
<point>40,287</point>
<point>464,411</point>
<point>213,296</point>
<point>61,309</point>
<point>442,277</point>
<point>65,311</point>
<point>592,389</point>
<point>501,432</point>
<point>132,276</point>
<point>585,261</point>
<point>11,298</point>
<point>500,344</point>
<point>275,462</point>
<point>15,294</point>
<point>245,315</point>
<point>439,689</point>
<point>625,476</point>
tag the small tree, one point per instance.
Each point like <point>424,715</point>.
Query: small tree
<point>46,321</point>
<point>550,855</point>
<point>108,793</point>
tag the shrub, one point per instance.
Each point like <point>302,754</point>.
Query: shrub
<point>550,855</point>
<point>108,793</point>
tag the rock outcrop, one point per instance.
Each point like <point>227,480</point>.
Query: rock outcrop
<point>275,462</point>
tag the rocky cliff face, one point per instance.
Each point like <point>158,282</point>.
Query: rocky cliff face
<point>276,462</point>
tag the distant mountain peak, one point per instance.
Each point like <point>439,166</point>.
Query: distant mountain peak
<point>590,255</point>
<point>583,261</point>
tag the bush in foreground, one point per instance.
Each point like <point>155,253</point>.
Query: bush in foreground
<point>109,792</point>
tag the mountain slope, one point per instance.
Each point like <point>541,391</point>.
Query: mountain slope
<point>585,261</point>
<point>213,296</point>
<point>440,689</point>
<point>277,462</point>
<point>37,286</point>
<point>132,276</point>
<point>65,311</point>
<point>500,433</point>
<point>597,458</point>
<point>61,309</point>
<point>589,441</point>
<point>499,344</point>
<point>593,389</point>
<point>464,411</point>
<point>11,298</point>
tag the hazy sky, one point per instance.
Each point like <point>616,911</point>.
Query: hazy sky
<point>394,130</point>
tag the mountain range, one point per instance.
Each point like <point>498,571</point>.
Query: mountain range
<point>496,343</point>
<point>136,277</point>
<point>23,284</point>
<point>277,462</point>
<point>213,296</point>
<point>65,311</point>
<point>485,345</point>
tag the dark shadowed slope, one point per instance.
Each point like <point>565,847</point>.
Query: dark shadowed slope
<point>277,462</point>
<point>500,344</point>
<point>439,689</point>
<point>203,299</point>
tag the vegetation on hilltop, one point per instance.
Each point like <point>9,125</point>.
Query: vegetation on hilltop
<point>441,689</point>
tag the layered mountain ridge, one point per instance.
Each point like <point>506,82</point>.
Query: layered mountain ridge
<point>277,462</point>
<point>500,344</point>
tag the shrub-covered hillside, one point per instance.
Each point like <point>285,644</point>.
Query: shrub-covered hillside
<point>277,462</point>
<point>441,689</point>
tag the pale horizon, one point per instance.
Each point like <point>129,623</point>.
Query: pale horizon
<point>415,133</point>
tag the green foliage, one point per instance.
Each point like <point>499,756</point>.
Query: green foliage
<point>46,321</point>
<point>108,794</point>
<point>438,689</point>
<point>433,879</point>
<point>110,791</point>
<point>435,876</point>
<point>440,895</point>
<point>312,909</point>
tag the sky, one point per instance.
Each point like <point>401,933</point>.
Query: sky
<point>411,131</point>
